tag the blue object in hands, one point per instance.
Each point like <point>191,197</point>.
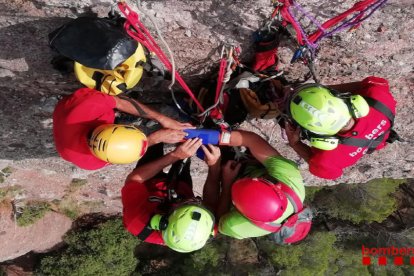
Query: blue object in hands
<point>208,136</point>
<point>200,154</point>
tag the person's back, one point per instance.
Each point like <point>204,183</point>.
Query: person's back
<point>74,119</point>
<point>266,194</point>
<point>161,208</point>
<point>354,138</point>
<point>85,133</point>
<point>142,200</point>
<point>236,225</point>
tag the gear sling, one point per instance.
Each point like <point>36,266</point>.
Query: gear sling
<point>372,144</point>
<point>295,227</point>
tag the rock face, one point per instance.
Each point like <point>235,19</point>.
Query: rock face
<point>39,237</point>
<point>195,30</point>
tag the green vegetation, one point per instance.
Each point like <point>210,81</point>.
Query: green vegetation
<point>332,248</point>
<point>205,261</point>
<point>368,202</point>
<point>74,209</point>
<point>315,256</point>
<point>71,213</point>
<point>310,192</point>
<point>10,192</point>
<point>31,212</point>
<point>6,172</point>
<point>105,250</point>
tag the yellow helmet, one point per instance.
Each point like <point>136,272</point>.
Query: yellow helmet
<point>113,82</point>
<point>118,144</point>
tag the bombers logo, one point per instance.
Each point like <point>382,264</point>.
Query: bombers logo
<point>379,130</point>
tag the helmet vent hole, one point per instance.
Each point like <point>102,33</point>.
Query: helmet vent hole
<point>330,110</point>
<point>115,128</point>
<point>103,146</point>
<point>297,99</point>
<point>196,216</point>
<point>330,102</point>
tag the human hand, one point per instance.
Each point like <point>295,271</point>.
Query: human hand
<point>212,154</point>
<point>292,133</point>
<point>229,173</point>
<point>187,149</point>
<point>169,136</point>
<point>167,122</point>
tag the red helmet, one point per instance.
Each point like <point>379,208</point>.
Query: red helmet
<point>258,199</point>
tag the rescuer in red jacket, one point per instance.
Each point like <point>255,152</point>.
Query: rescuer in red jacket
<point>85,133</point>
<point>342,122</point>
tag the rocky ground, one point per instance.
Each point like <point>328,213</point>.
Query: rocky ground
<point>195,30</point>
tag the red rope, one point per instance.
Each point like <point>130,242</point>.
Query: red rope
<point>139,32</point>
<point>335,20</point>
<point>220,78</point>
<point>312,38</point>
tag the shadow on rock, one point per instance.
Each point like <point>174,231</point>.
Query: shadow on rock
<point>30,88</point>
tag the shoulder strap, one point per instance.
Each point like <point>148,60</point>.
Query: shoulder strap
<point>374,143</point>
<point>292,197</point>
<point>381,108</point>
<point>363,143</point>
<point>288,191</point>
<point>145,232</point>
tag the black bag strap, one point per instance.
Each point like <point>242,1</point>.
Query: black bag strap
<point>98,78</point>
<point>146,231</point>
<point>374,143</point>
<point>381,108</point>
<point>364,143</point>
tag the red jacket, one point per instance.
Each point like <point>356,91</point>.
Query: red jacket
<point>142,200</point>
<point>74,118</point>
<point>329,164</point>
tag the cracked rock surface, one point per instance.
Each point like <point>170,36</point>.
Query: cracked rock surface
<point>195,31</point>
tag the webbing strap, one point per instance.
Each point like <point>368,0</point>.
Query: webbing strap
<point>381,108</point>
<point>293,197</point>
<point>289,192</point>
<point>145,232</point>
<point>371,144</point>
<point>97,77</point>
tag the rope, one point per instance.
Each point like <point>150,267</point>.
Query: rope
<point>139,32</point>
<point>358,19</point>
<point>310,45</point>
<point>223,77</point>
<point>311,40</point>
<point>307,15</point>
<point>157,29</point>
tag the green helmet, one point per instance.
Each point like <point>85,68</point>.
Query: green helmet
<point>188,229</point>
<point>316,109</point>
